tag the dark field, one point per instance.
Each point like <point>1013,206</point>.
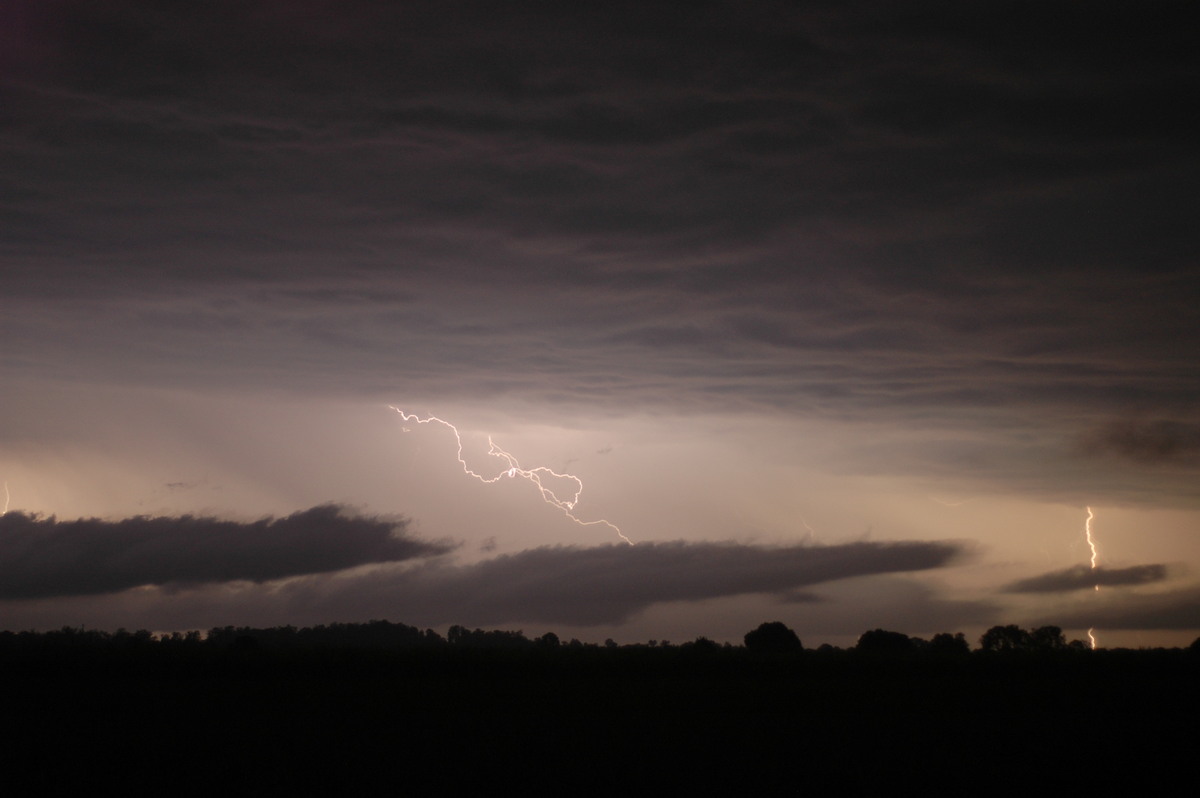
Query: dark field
<point>250,718</point>
<point>257,719</point>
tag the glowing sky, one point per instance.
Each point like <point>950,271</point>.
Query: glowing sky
<point>843,312</point>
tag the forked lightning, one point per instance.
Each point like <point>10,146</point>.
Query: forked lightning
<point>514,469</point>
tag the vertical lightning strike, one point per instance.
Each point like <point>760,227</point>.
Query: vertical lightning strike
<point>1087,530</point>
<point>514,469</point>
<point>7,499</point>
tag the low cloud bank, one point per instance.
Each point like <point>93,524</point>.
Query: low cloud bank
<point>44,557</point>
<point>1174,609</point>
<point>1082,577</point>
<point>606,584</point>
<point>206,571</point>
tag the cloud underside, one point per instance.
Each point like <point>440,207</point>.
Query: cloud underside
<point>303,563</point>
<point>600,585</point>
<point>43,558</point>
<point>765,208</point>
<point>1146,441</point>
<point>1081,577</point>
<point>1174,609</point>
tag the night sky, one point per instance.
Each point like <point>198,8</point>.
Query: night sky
<point>844,313</point>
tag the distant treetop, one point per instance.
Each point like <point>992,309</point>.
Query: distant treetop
<point>773,638</point>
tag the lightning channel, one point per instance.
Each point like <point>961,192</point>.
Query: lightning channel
<point>1091,541</point>
<point>513,469</point>
<point>7,499</point>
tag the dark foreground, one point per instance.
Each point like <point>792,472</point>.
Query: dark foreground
<point>251,720</point>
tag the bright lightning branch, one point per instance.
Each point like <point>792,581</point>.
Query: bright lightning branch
<point>514,470</point>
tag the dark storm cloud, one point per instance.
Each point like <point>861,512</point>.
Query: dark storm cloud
<point>562,586</point>
<point>934,212</point>
<point>617,136</point>
<point>42,558</point>
<point>608,584</point>
<point>1146,441</point>
<point>1081,577</point>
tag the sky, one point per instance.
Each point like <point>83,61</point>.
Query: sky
<point>843,314</point>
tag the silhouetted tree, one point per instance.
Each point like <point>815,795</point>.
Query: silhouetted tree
<point>881,641</point>
<point>1048,638</point>
<point>492,638</point>
<point>245,643</point>
<point>701,645</point>
<point>1005,638</point>
<point>772,638</point>
<point>946,644</point>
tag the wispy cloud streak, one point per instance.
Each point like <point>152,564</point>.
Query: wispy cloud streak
<point>1081,577</point>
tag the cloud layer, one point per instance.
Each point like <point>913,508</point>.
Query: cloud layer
<point>42,558</point>
<point>1081,577</point>
<point>1174,609</point>
<point>305,564</point>
<point>608,584</point>
<point>1149,442</point>
<point>837,210</point>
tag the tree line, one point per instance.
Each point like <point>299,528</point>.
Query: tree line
<point>768,638</point>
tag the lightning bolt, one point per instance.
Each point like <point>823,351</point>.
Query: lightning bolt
<point>7,499</point>
<point>513,469</point>
<point>1087,530</point>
